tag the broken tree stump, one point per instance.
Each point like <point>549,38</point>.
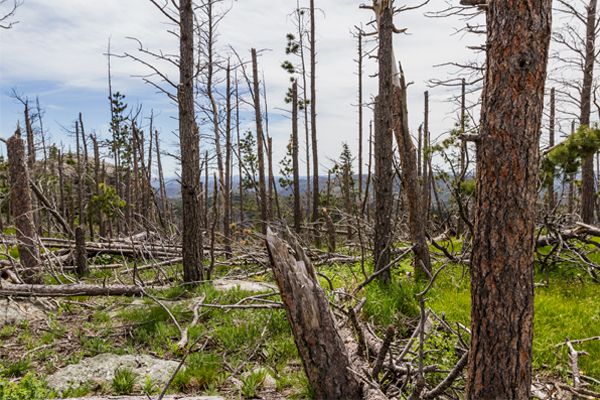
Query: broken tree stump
<point>29,252</point>
<point>320,346</point>
<point>80,252</point>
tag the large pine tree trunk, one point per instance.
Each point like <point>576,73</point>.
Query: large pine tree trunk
<point>190,149</point>
<point>29,252</point>
<point>507,164</point>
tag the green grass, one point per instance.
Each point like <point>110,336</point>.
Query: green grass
<point>566,308</point>
<point>124,381</point>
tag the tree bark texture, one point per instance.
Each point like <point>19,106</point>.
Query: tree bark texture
<point>264,216</point>
<point>80,253</point>
<point>29,252</point>
<point>396,110</point>
<point>70,290</point>
<point>502,273</point>
<point>587,173</point>
<point>227,186</point>
<point>190,149</point>
<point>319,343</point>
<point>384,156</point>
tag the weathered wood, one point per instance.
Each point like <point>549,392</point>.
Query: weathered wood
<point>264,216</point>
<point>49,207</point>
<point>71,290</point>
<point>29,252</point>
<point>320,346</point>
<point>330,231</point>
<point>80,252</point>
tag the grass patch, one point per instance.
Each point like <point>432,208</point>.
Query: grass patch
<point>566,308</point>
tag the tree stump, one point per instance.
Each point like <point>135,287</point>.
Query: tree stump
<point>80,251</point>
<point>29,252</point>
<point>320,346</point>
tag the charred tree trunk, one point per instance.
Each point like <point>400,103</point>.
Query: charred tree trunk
<point>295,162</point>
<point>320,346</point>
<point>264,216</point>
<point>425,156</point>
<point>80,186</point>
<point>190,149</point>
<point>502,273</point>
<point>384,156</point>
<point>587,172</point>
<point>80,251</point>
<point>29,252</point>
<point>31,161</point>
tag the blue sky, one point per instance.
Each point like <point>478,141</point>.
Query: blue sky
<point>56,52</point>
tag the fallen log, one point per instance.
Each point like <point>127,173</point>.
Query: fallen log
<point>71,290</point>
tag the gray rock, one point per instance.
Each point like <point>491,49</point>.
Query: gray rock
<point>101,370</point>
<point>251,286</point>
<point>14,311</point>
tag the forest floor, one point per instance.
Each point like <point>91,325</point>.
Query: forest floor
<point>250,352</point>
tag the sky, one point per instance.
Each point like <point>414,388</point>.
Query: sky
<point>57,52</point>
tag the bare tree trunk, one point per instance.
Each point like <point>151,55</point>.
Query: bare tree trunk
<point>414,198</point>
<point>31,161</point>
<point>129,228</point>
<point>134,200</point>
<point>326,362</point>
<point>313,117</point>
<point>264,216</point>
<point>100,214</point>
<point>61,183</point>
<point>161,180</point>
<point>587,172</point>
<point>384,156</point>
<point>360,115</point>
<point>551,194</point>
<point>190,149</point>
<point>295,161</point>
<point>502,273</point>
<point>425,157</point>
<point>80,251</point>
<point>80,185</point>
<point>226,187</point>
<point>29,252</point>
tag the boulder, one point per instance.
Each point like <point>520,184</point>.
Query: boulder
<point>100,370</point>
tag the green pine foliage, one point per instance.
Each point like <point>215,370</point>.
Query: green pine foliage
<point>566,158</point>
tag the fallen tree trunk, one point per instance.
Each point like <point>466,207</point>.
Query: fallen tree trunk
<point>320,346</point>
<point>71,290</point>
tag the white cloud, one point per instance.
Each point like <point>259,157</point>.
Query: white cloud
<point>57,51</point>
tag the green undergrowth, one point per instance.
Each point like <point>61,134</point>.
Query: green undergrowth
<point>568,307</point>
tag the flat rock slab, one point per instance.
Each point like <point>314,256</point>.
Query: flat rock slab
<point>14,311</point>
<point>101,370</point>
<point>250,286</point>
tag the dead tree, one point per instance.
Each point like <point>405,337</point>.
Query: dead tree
<point>29,252</point>
<point>320,346</point>
<point>80,253</point>
<point>264,216</point>
<point>190,148</point>
<point>295,162</point>
<point>502,273</point>
<point>313,117</point>
<point>394,104</point>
